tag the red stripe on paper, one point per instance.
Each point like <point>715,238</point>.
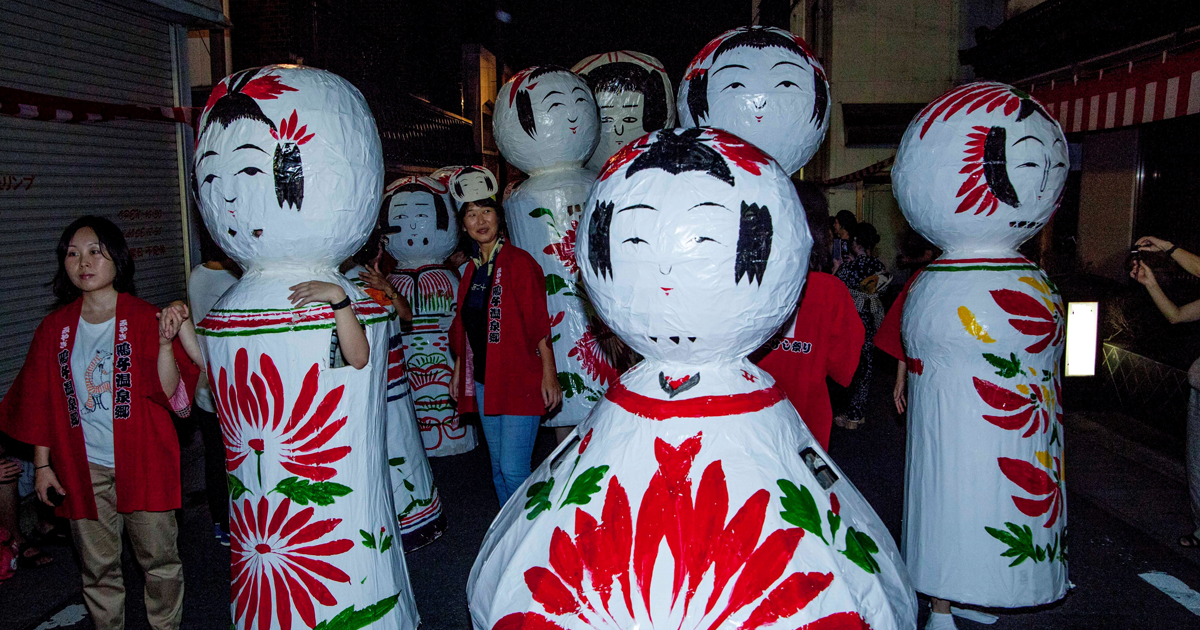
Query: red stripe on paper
<point>700,407</point>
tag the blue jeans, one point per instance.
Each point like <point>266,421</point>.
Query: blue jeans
<point>510,445</point>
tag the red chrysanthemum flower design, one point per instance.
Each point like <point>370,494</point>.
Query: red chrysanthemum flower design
<point>745,155</point>
<point>1045,318</point>
<point>251,411</point>
<point>626,155</point>
<point>578,586</point>
<point>276,563</point>
<point>288,131</point>
<point>1037,482</point>
<point>589,354</point>
<point>974,95</point>
<point>564,250</point>
<point>1034,402</point>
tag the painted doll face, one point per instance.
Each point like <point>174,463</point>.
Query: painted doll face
<point>970,179</point>
<point>621,116</point>
<point>475,186</point>
<point>765,92</point>
<point>678,288</point>
<point>290,169</point>
<point>417,239</point>
<point>550,121</point>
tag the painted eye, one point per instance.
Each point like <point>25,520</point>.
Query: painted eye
<point>606,119</point>
<point>250,170</point>
<point>629,120</point>
<point>787,84</point>
<point>422,215</point>
<point>1060,165</point>
<point>734,85</point>
<point>701,239</point>
<point>554,105</point>
<point>209,178</point>
<point>635,240</point>
<point>1028,165</point>
<point>580,100</point>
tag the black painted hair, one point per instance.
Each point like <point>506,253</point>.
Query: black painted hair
<point>112,243</point>
<point>439,205</point>
<point>755,37</point>
<point>680,151</point>
<point>865,235</point>
<point>234,105</point>
<point>525,106</point>
<point>816,211</point>
<point>622,76</point>
<point>995,167</point>
<point>471,169</point>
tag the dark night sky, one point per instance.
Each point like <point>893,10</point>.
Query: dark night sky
<point>558,32</point>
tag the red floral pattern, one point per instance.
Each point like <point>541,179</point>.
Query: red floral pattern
<point>614,551</point>
<point>1037,319</point>
<point>588,352</point>
<point>564,250</point>
<point>251,409</point>
<point>1036,406</point>
<point>1037,482</point>
<point>276,563</point>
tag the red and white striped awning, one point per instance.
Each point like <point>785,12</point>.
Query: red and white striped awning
<point>1157,90</point>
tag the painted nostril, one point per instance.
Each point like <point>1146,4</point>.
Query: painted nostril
<point>667,272</point>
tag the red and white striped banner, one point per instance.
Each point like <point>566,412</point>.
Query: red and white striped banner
<point>24,104</point>
<point>1155,90</point>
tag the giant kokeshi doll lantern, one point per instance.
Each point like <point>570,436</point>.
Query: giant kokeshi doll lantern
<point>762,84</point>
<point>634,95</point>
<point>289,172</point>
<point>692,496</point>
<point>979,171</point>
<point>422,231</point>
<point>546,125</point>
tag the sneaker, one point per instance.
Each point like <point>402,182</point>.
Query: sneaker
<point>221,535</point>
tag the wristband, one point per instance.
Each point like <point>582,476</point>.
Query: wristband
<point>1172,250</point>
<point>341,305</point>
<point>41,467</point>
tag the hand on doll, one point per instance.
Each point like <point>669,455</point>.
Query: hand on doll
<point>316,291</point>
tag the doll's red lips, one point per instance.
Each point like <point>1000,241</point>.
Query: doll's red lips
<point>573,129</point>
<point>667,290</point>
<point>758,118</point>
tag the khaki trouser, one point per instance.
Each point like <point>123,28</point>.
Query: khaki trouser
<point>99,544</point>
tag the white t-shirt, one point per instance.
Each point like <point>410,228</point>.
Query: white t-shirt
<point>92,371</point>
<point>205,287</point>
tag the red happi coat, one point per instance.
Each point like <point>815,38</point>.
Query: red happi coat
<point>517,321</point>
<point>824,340</point>
<point>41,408</point>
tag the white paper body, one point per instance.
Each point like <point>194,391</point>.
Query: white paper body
<point>979,171</point>
<point>289,171</point>
<point>546,125</point>
<point>692,496</point>
<point>422,231</point>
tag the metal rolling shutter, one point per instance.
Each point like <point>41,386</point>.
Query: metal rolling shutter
<point>51,173</point>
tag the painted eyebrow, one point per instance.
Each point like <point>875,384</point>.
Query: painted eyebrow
<point>250,146</point>
<point>206,154</point>
<point>1056,141</point>
<point>638,206</point>
<point>634,105</point>
<point>549,94</point>
<point>577,88</point>
<point>787,63</point>
<point>731,65</point>
<point>1028,138</point>
<point>709,203</point>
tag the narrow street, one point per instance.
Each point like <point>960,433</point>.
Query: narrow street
<point>1127,505</point>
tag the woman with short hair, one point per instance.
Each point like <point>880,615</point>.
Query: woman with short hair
<point>95,397</point>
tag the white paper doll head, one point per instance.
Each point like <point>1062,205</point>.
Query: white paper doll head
<point>288,167</point>
<point>634,95</point>
<point>472,183</point>
<point>982,167</point>
<point>545,118</point>
<point>764,85</point>
<point>696,246</point>
<point>418,221</point>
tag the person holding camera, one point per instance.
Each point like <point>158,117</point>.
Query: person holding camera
<point>1178,314</point>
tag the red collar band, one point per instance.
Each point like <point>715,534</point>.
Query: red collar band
<point>700,407</point>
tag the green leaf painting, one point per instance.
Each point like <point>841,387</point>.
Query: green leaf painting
<point>540,212</point>
<point>322,493</point>
<point>585,485</point>
<point>236,488</point>
<point>834,522</point>
<point>539,498</point>
<point>860,549</point>
<point>800,509</point>
<point>1019,539</point>
<point>396,461</point>
<point>368,539</point>
<point>555,283</point>
<point>351,619</point>
<point>1005,368</point>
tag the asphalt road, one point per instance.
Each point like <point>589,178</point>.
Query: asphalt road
<point>1127,505</point>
